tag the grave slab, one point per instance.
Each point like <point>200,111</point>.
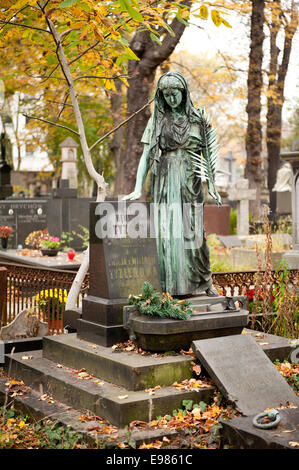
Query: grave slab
<point>243,373</point>
<point>230,241</point>
<point>240,433</point>
<point>276,347</point>
<point>60,261</point>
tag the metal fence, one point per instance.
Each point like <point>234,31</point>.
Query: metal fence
<point>44,291</point>
<point>39,290</point>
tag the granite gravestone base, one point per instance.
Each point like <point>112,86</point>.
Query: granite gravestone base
<point>123,255</point>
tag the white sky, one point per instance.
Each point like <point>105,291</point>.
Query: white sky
<point>235,40</point>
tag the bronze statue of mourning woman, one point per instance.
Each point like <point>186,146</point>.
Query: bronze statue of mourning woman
<point>180,148</point>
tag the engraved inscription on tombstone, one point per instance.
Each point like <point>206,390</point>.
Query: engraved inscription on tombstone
<point>123,239</point>
<point>123,255</point>
<point>24,217</point>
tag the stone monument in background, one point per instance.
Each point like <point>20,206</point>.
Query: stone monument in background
<point>242,194</point>
<point>5,170</point>
<point>292,157</point>
<point>69,161</point>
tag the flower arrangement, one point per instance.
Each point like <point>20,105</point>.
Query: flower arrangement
<point>34,238</point>
<point>50,243</point>
<point>5,231</point>
<point>52,302</point>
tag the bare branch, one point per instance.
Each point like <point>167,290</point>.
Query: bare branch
<point>63,105</point>
<point>15,14</point>
<point>24,26</point>
<point>84,52</point>
<point>51,122</point>
<point>120,125</point>
<point>102,78</point>
<point>59,102</point>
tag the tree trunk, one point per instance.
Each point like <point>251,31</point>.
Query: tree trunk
<point>142,76</point>
<point>253,167</point>
<point>276,82</point>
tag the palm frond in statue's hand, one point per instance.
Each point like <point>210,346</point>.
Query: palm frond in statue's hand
<point>205,163</point>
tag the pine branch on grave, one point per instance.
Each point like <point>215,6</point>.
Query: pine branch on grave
<point>154,304</point>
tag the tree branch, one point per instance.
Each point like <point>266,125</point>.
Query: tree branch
<point>15,14</point>
<point>120,125</point>
<point>169,42</point>
<point>24,26</point>
<point>102,78</point>
<point>51,122</point>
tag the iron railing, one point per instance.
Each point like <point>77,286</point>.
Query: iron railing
<point>43,290</point>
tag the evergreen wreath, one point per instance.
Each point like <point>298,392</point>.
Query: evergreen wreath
<point>152,303</point>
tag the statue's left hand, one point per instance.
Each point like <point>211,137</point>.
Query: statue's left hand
<point>132,196</point>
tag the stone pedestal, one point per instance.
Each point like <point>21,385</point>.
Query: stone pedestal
<point>123,255</point>
<point>213,317</point>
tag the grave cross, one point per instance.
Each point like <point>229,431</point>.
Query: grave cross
<point>242,194</point>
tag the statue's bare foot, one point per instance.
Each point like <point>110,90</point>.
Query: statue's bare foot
<point>212,291</point>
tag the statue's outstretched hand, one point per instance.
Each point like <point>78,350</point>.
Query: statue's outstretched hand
<point>132,196</point>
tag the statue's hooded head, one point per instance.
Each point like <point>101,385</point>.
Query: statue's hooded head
<point>167,81</point>
<point>173,80</point>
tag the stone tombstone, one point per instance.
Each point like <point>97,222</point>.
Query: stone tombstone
<point>24,216</point>
<point>123,255</point>
<point>242,194</point>
<point>283,187</point>
<point>227,176</point>
<point>69,161</point>
<point>292,157</point>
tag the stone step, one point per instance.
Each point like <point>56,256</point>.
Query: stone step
<point>128,369</point>
<point>114,403</point>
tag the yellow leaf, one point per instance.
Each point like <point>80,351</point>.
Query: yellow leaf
<point>204,12</point>
<point>10,422</point>
<point>226,23</point>
<point>22,424</point>
<point>216,18</point>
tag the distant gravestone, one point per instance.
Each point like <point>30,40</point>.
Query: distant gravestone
<point>242,194</point>
<point>243,373</point>
<point>24,216</point>
<point>230,241</point>
<point>123,255</point>
<point>292,256</point>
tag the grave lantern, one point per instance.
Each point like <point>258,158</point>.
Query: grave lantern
<point>69,162</point>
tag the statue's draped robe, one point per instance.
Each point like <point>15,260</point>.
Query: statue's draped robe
<point>183,252</point>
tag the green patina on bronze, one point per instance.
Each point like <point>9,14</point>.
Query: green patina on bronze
<point>179,146</point>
